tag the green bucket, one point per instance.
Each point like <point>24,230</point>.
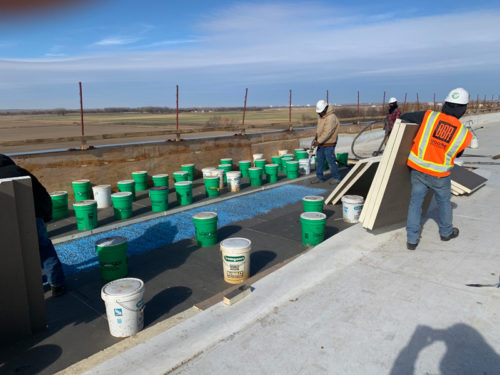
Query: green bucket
<point>342,159</point>
<point>205,224</point>
<point>300,154</point>
<point>160,180</point>
<point>141,180</point>
<point>244,166</point>
<point>59,204</point>
<point>82,190</point>
<point>313,228</point>
<point>313,203</point>
<point>284,160</point>
<point>122,204</point>
<point>255,176</point>
<point>260,163</point>
<point>227,161</point>
<point>226,168</point>
<point>212,186</point>
<point>189,168</point>
<point>292,169</point>
<point>159,198</point>
<point>181,176</point>
<point>271,172</point>
<point>86,214</point>
<point>184,192</point>
<point>112,254</point>
<point>127,186</point>
<point>277,160</point>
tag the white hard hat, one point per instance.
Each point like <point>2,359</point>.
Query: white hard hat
<point>320,106</point>
<point>392,100</point>
<point>458,96</point>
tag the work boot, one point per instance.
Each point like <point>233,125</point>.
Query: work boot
<point>454,233</point>
<point>411,246</point>
<point>316,180</point>
<point>334,181</point>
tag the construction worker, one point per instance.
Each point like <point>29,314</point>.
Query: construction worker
<point>326,139</point>
<point>440,138</point>
<point>391,117</point>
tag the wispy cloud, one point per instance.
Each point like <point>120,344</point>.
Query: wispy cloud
<point>115,41</point>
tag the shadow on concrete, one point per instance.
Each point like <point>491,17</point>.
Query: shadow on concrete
<point>34,360</point>
<point>164,301</point>
<point>227,231</point>
<point>467,352</point>
<point>259,259</point>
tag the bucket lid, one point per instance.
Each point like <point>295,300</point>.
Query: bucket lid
<point>292,162</point>
<point>207,169</point>
<point>313,216</point>
<point>157,188</point>
<point>245,161</point>
<point>255,169</point>
<point>122,194</point>
<point>233,173</point>
<point>83,181</point>
<point>180,172</point>
<point>140,172</point>
<point>313,198</point>
<point>299,149</point>
<point>87,202</point>
<point>272,165</point>
<point>236,243</point>
<point>352,199</point>
<point>205,215</point>
<point>161,175</point>
<point>126,182</point>
<point>260,159</point>
<point>98,187</point>
<point>122,287</point>
<point>58,193</point>
<point>227,159</point>
<point>222,166</point>
<point>187,165</point>
<point>182,183</point>
<point>303,161</point>
<point>111,241</point>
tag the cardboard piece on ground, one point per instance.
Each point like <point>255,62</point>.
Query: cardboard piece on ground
<point>466,180</point>
<point>355,174</point>
<point>237,294</point>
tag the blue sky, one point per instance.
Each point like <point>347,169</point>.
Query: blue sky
<point>133,53</point>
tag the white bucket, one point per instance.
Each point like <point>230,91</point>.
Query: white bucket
<point>233,180</point>
<point>351,207</point>
<point>124,306</point>
<point>218,173</point>
<point>304,166</point>
<point>236,259</point>
<point>102,194</point>
<point>207,172</point>
<point>257,156</point>
<point>282,152</point>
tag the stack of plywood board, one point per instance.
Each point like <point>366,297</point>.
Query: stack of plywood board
<point>464,181</point>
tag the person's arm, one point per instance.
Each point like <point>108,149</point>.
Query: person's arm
<point>413,117</point>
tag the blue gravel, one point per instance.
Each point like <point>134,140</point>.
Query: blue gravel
<point>79,254</point>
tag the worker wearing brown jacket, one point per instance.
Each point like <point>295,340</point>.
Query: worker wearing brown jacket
<point>326,139</point>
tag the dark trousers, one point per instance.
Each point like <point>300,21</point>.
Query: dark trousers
<point>51,265</point>
<point>327,153</point>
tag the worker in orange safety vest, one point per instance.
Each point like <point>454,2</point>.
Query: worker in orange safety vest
<point>440,139</point>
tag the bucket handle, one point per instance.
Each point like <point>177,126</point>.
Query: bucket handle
<point>214,188</point>
<point>133,310</point>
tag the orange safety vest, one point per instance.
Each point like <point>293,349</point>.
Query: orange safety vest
<point>439,139</point>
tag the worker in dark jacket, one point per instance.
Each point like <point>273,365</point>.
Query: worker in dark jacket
<point>440,139</point>
<point>51,264</point>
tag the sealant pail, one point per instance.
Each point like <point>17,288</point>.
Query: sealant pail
<point>112,254</point>
<point>292,169</point>
<point>282,152</point>
<point>351,207</point>
<point>205,224</point>
<point>300,153</point>
<point>207,171</point>
<point>181,176</point>
<point>160,180</point>
<point>122,204</point>
<point>184,192</point>
<point>124,306</point>
<point>260,163</point>
<point>226,168</point>
<point>244,166</point>
<point>284,160</point>
<point>212,184</point>
<point>82,190</point>
<point>313,228</point>
<point>102,195</point>
<point>233,180</point>
<point>189,168</point>
<point>141,180</point>
<point>159,198</point>
<point>59,204</point>
<point>342,159</point>
<point>304,166</point>
<point>271,172</point>
<point>227,161</point>
<point>257,156</point>
<point>219,173</point>
<point>236,259</point>
<point>127,186</point>
<point>277,160</point>
<point>255,176</point>
<point>313,203</point>
<point>86,214</point>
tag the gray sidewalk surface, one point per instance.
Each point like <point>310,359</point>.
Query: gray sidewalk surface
<point>359,303</point>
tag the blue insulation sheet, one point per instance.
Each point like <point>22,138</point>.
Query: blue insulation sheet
<point>80,254</point>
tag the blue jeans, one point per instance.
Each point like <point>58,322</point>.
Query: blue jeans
<point>327,153</point>
<point>420,184</point>
<point>51,265</point>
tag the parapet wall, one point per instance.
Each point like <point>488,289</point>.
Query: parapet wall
<point>107,165</point>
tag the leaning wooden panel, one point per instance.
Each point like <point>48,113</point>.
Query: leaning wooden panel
<point>466,180</point>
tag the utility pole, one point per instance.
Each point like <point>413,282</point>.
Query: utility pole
<point>84,141</point>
